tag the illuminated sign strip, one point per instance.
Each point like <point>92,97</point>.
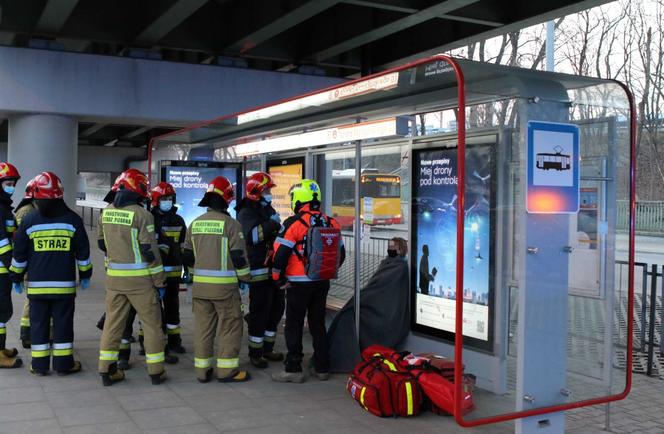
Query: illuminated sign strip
<point>367,130</point>
<point>384,82</point>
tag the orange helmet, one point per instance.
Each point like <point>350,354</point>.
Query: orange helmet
<point>30,188</point>
<point>162,189</point>
<point>222,187</point>
<point>47,185</point>
<point>132,180</point>
<point>8,171</point>
<point>257,184</point>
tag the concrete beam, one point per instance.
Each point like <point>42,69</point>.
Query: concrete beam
<point>498,31</point>
<point>107,159</point>
<point>118,90</point>
<point>173,17</point>
<point>283,23</point>
<point>393,8</point>
<point>92,129</point>
<point>54,15</point>
<point>391,28</point>
<point>138,131</point>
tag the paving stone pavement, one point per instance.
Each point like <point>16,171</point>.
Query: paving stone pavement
<point>79,404</point>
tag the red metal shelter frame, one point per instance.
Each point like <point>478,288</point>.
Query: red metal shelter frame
<point>461,173</point>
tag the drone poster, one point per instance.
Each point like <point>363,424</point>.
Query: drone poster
<point>435,203</point>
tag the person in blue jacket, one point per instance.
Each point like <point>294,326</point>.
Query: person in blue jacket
<point>50,245</point>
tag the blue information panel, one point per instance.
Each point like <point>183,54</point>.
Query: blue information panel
<point>190,182</point>
<point>553,168</point>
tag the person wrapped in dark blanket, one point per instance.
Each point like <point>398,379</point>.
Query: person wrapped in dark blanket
<point>384,312</point>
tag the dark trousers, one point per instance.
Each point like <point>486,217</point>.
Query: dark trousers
<point>61,310</point>
<point>6,307</point>
<point>306,299</point>
<point>266,308</point>
<point>171,311</point>
<point>125,343</point>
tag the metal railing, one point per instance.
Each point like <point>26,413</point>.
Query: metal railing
<point>649,217</point>
<point>648,314</point>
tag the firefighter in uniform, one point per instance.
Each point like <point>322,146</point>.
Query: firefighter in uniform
<point>134,277</point>
<point>171,231</point>
<point>304,296</point>
<point>215,248</point>
<point>49,246</point>
<point>260,225</point>
<point>127,338</point>
<point>24,208</point>
<point>8,177</point>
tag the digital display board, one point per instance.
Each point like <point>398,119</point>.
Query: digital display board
<point>433,248</point>
<point>190,180</point>
<point>285,173</point>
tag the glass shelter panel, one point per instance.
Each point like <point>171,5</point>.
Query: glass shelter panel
<point>543,163</point>
<point>553,283</point>
<point>383,206</point>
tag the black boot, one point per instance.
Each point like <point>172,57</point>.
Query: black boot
<point>208,376</point>
<point>113,375</point>
<point>175,343</point>
<point>269,353</point>
<point>25,336</point>
<point>157,379</point>
<point>169,358</point>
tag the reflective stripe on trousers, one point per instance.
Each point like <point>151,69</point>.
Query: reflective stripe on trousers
<point>228,363</point>
<point>154,357</point>
<point>203,363</point>
<point>109,356</point>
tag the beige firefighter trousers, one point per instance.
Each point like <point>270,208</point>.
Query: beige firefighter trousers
<point>148,308</point>
<point>223,319</point>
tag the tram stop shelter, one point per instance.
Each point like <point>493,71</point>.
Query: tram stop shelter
<point>509,209</point>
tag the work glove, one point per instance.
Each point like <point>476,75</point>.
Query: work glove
<point>283,283</point>
<point>187,278</point>
<point>85,284</point>
<point>18,287</point>
<point>162,292</point>
<point>276,218</point>
<point>244,288</point>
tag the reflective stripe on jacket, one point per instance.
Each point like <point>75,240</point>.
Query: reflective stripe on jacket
<point>51,250</point>
<point>134,262</point>
<point>218,246</point>
<point>289,258</point>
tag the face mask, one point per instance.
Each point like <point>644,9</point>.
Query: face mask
<point>267,198</point>
<point>9,190</point>
<point>165,205</point>
<point>391,253</point>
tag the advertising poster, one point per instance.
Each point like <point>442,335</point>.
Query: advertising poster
<point>190,184</point>
<point>284,173</point>
<point>435,204</point>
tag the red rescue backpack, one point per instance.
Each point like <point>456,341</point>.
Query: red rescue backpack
<point>383,388</point>
<point>322,248</point>
<point>433,374</point>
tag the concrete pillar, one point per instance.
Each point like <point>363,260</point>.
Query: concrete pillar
<point>41,142</point>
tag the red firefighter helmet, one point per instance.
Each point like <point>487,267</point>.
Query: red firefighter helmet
<point>257,184</point>
<point>223,187</point>
<point>162,189</point>
<point>8,171</point>
<point>133,180</point>
<point>30,188</point>
<point>48,186</point>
